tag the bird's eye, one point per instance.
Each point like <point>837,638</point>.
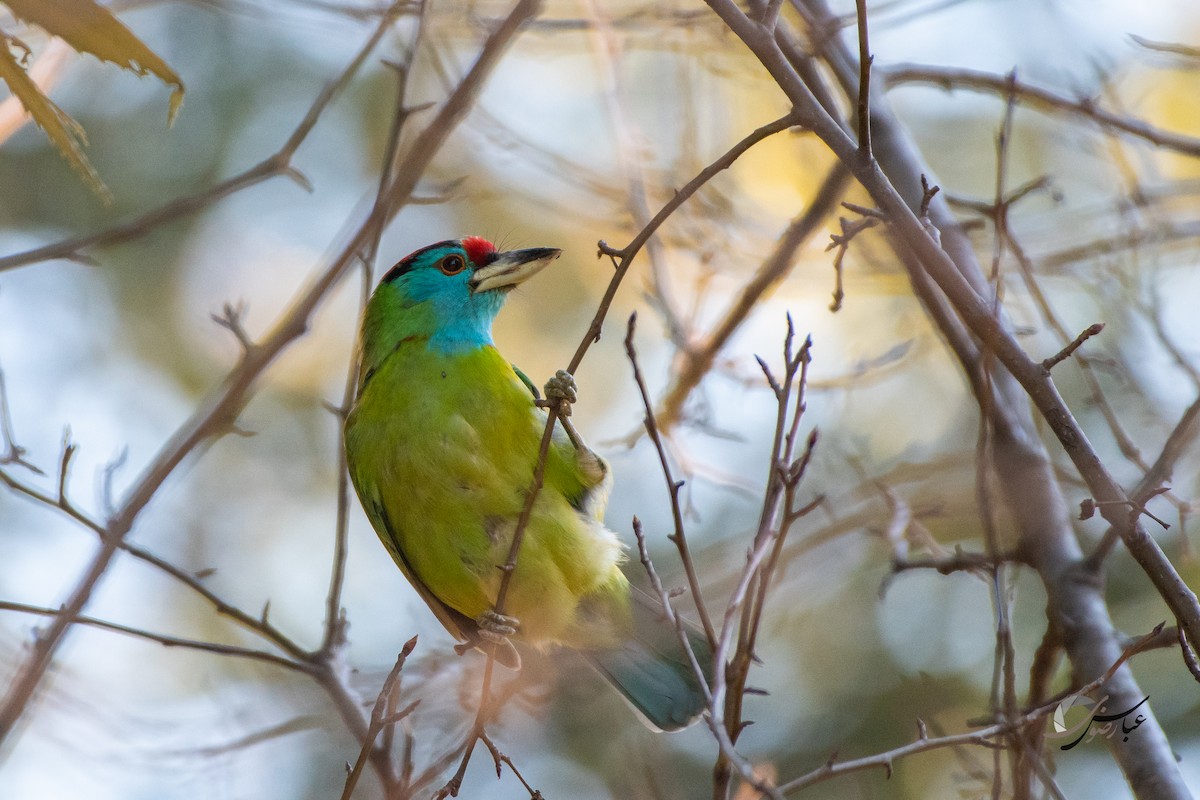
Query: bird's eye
<point>452,265</point>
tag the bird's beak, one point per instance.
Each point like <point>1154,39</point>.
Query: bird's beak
<point>512,268</point>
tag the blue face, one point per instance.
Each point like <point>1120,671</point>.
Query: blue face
<point>438,278</point>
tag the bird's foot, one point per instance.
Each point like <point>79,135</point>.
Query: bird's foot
<point>593,467</point>
<point>496,628</point>
<point>561,392</point>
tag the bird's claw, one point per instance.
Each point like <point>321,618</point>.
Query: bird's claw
<point>561,392</point>
<point>592,466</point>
<point>496,628</point>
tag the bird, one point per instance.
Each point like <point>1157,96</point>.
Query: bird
<point>441,444</point>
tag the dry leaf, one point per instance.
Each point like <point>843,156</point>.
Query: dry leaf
<point>91,28</point>
<point>64,132</point>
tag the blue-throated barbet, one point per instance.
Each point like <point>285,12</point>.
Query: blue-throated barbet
<point>442,441</point>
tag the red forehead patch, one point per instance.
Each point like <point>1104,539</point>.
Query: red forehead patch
<point>478,248</point>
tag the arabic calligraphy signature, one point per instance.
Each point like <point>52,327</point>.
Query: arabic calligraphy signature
<point>1106,727</point>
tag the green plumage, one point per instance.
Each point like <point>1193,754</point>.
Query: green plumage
<point>442,444</point>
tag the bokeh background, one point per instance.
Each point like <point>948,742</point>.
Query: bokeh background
<point>120,351</point>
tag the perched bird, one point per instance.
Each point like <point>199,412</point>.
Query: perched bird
<point>442,442</point>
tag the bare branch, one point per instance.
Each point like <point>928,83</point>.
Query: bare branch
<point>499,759</point>
<point>230,319</point>
<point>864,83</point>
<point>380,719</point>
<point>1189,654</point>
<point>959,561</point>
<point>279,163</point>
<point>976,314</point>
<point>1066,352</point>
<point>991,736</point>
<point>1098,397</point>
<point>1180,441</point>
<point>841,243</point>
<point>608,49</point>
<point>12,452</point>
<point>692,186</point>
<point>664,599</point>
<point>747,603</point>
<point>679,537</point>
<point>164,639</point>
<point>1172,48</point>
<point>335,617</point>
<point>946,273</point>
<point>1040,99</point>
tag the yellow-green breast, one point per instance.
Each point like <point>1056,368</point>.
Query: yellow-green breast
<point>442,448</point>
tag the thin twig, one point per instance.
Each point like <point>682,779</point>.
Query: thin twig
<point>607,46</point>
<point>164,639</point>
<point>335,624</point>
<point>679,537</point>
<point>262,628</point>
<point>746,605</point>
<point>985,737</point>
<point>1180,441</point>
<point>1098,397</point>
<point>1172,48</point>
<point>947,565</point>
<point>380,718</point>
<point>865,59</point>
<point>11,453</point>
<point>279,163</point>
<point>1189,654</point>
<point>1042,99</point>
<point>1069,350</point>
<point>692,186</point>
<point>335,618</point>
<point>841,243</point>
<point>499,759</point>
<point>1003,697</point>
<point>668,607</point>
<point>729,754</point>
<point>697,360</point>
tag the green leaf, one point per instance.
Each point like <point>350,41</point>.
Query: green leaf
<point>64,132</point>
<point>91,28</point>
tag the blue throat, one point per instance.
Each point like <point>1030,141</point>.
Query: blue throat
<point>464,322</point>
<point>461,335</point>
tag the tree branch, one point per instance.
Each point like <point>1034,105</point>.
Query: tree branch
<point>1041,99</point>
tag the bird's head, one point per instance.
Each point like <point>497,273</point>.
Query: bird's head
<point>447,293</point>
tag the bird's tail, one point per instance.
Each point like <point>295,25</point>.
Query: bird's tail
<point>653,672</point>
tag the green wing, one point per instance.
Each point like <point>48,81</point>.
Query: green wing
<point>533,390</point>
<point>461,627</point>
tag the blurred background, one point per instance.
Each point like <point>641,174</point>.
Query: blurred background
<point>592,105</point>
